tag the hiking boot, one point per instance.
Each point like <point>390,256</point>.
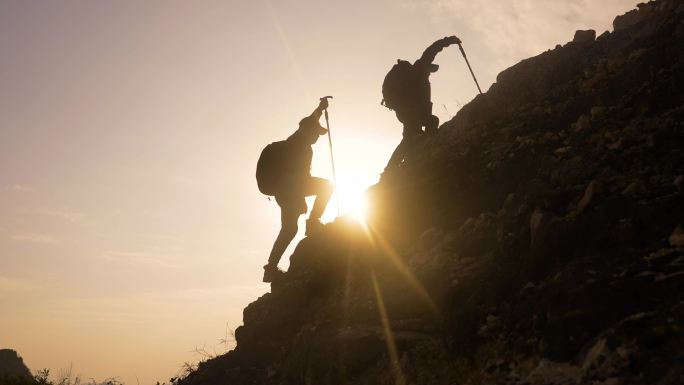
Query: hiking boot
<point>313,226</point>
<point>272,273</point>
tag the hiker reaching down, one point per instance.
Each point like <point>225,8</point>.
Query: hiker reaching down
<point>406,90</point>
<point>284,171</point>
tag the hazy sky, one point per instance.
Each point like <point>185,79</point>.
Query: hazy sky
<point>131,228</point>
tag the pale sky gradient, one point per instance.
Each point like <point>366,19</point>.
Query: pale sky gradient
<point>131,228</point>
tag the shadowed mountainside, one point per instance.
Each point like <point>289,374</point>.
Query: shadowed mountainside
<point>536,239</point>
<point>12,367</point>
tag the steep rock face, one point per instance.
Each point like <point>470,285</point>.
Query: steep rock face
<point>537,238</point>
<point>12,366</point>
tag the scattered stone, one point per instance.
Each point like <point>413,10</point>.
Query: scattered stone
<point>677,237</point>
<point>430,238</point>
<point>537,220</point>
<point>612,381</point>
<point>679,182</point>
<point>493,321</point>
<point>592,357</point>
<point>663,277</point>
<point>582,123</point>
<point>562,151</point>
<point>597,112</point>
<point>549,372</point>
<point>637,317</point>
<point>529,286</point>
<point>592,188</point>
<point>615,146</point>
<point>647,274</point>
<point>633,189</point>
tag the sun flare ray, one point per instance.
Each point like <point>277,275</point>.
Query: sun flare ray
<point>378,241</point>
<point>399,378</point>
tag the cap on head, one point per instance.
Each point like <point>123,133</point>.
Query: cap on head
<point>310,123</point>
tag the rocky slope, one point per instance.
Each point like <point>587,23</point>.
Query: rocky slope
<point>536,239</point>
<point>12,366</point>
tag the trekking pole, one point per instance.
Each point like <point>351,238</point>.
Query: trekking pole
<point>469,67</point>
<point>332,158</point>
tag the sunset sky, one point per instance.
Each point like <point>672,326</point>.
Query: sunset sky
<point>131,227</point>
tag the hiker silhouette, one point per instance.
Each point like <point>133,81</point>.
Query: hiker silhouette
<point>406,90</point>
<point>284,171</point>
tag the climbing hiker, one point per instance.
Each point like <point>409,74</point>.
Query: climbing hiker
<point>284,171</point>
<point>406,90</point>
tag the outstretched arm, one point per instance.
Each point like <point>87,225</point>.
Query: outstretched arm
<point>316,114</point>
<point>436,47</point>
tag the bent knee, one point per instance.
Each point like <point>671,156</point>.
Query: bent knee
<point>327,187</point>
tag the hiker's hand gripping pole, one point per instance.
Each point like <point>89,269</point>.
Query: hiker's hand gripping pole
<point>460,47</point>
<point>332,158</point>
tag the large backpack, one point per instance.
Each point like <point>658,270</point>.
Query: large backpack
<point>398,85</point>
<point>270,167</point>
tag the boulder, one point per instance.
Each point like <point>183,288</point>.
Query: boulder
<point>584,36</point>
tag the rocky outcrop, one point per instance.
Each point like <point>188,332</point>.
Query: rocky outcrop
<point>12,366</point>
<point>536,238</point>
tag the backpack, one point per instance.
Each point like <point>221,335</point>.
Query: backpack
<point>270,167</point>
<point>398,84</point>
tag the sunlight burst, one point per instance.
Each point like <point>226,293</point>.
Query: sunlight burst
<point>353,200</point>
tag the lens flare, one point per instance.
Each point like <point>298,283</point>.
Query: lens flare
<point>353,202</point>
<point>399,378</point>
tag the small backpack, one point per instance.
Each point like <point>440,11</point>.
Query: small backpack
<point>270,167</point>
<point>398,85</point>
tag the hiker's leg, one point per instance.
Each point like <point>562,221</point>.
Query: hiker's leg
<point>411,130</point>
<point>288,230</point>
<point>322,189</point>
